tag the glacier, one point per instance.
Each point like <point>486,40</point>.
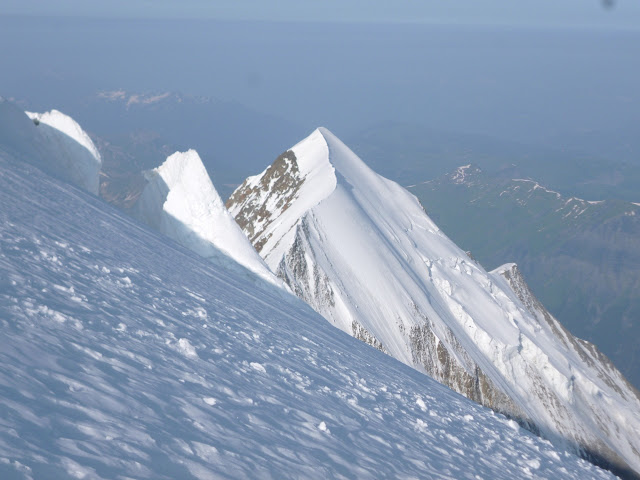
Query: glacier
<point>125,355</point>
<point>361,251</point>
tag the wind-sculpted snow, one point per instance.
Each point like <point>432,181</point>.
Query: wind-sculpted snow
<point>77,157</point>
<point>126,356</point>
<point>53,141</point>
<point>366,256</point>
<point>180,201</point>
<point>67,125</point>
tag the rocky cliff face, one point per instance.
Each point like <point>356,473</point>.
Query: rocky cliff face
<point>282,180</point>
<point>363,253</point>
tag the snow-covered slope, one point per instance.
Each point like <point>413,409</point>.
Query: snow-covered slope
<point>126,356</point>
<point>361,251</point>
<point>180,201</point>
<point>52,141</point>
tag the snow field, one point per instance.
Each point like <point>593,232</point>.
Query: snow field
<point>171,367</point>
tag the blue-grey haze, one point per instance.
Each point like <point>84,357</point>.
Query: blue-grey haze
<point>535,85</point>
<point>564,13</point>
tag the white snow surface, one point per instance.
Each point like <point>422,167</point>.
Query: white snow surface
<point>67,125</point>
<point>125,356</point>
<point>380,261</point>
<point>57,144</point>
<point>77,154</point>
<point>181,202</point>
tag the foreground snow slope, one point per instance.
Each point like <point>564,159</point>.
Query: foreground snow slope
<point>361,251</point>
<point>180,201</point>
<point>125,356</point>
<point>53,141</point>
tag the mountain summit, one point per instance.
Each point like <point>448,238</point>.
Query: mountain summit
<point>361,251</point>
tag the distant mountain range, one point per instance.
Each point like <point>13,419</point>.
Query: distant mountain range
<point>581,258</point>
<point>139,130</point>
<point>409,153</point>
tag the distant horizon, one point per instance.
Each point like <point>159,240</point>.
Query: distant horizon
<point>417,22</point>
<point>530,84</point>
<point>621,14</point>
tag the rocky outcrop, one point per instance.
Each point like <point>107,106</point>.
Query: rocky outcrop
<point>282,181</point>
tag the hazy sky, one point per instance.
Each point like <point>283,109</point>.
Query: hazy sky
<point>532,85</point>
<point>605,13</point>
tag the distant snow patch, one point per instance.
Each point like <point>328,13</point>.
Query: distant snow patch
<point>460,174</point>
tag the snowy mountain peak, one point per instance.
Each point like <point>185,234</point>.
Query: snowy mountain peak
<point>77,158</point>
<point>52,141</point>
<point>312,154</point>
<point>362,252</point>
<point>180,201</point>
<point>273,201</point>
<point>184,168</point>
<point>360,180</point>
<point>68,126</point>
